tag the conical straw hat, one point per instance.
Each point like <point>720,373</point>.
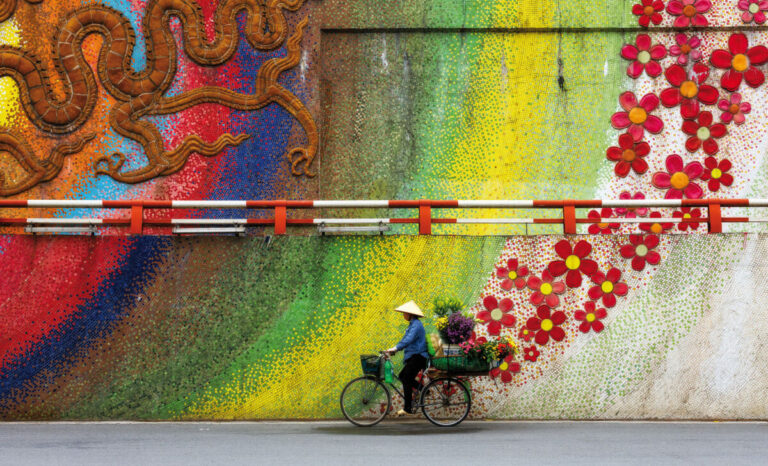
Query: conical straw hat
<point>410,308</point>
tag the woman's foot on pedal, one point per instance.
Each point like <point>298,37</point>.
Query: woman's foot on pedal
<point>403,413</point>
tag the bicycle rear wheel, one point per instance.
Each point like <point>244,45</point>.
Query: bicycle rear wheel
<point>445,402</point>
<point>365,401</point>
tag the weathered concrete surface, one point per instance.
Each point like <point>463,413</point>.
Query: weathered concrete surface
<point>390,443</point>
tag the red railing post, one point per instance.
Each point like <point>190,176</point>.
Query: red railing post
<point>281,218</point>
<point>137,219</point>
<point>569,218</point>
<point>715,218</point>
<point>425,217</point>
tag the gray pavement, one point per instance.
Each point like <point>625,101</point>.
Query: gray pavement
<point>390,443</point>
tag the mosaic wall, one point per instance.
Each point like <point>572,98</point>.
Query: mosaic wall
<point>331,99</point>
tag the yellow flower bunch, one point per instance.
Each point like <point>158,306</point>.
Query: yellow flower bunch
<point>441,322</point>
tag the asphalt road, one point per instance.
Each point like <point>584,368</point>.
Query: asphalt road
<point>390,443</point>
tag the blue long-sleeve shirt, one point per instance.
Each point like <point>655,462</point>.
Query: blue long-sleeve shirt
<point>414,341</point>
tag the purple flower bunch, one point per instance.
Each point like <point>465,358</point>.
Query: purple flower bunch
<point>459,328</point>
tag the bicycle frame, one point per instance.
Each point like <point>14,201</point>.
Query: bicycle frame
<point>416,402</point>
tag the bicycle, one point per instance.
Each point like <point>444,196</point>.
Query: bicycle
<point>365,401</point>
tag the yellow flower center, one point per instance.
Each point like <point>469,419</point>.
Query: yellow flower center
<point>740,62</point>
<point>572,262</point>
<point>546,289</point>
<point>638,115</point>
<point>644,57</point>
<point>686,216</point>
<point>716,173</point>
<point>591,317</point>
<point>628,155</point>
<point>734,109</point>
<point>754,8</point>
<point>648,11</point>
<point>496,314</point>
<point>607,287</point>
<point>703,133</point>
<point>547,325</point>
<point>603,225</point>
<point>656,228</point>
<point>689,10</point>
<point>679,180</point>
<point>689,89</point>
<point>504,366</point>
<point>512,275</point>
<point>685,48</point>
<point>641,250</point>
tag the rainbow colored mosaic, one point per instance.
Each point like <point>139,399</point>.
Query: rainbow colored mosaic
<point>267,99</point>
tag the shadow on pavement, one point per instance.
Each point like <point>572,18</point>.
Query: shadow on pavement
<point>410,427</point>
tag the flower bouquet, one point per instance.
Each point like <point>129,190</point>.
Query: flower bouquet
<point>488,352</point>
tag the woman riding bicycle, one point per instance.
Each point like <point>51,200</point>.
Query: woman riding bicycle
<point>414,347</point>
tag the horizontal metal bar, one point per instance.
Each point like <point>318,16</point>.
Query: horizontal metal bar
<point>34,229</point>
<point>339,221</point>
<point>209,221</point>
<point>378,229</point>
<point>181,230</point>
<point>66,221</point>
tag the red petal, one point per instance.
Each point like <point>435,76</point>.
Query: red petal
<point>557,268</point>
<point>594,293</point>
<point>609,300</point>
<point>689,108</point>
<point>542,337</point>
<point>522,271</point>
<point>573,279</point>
<point>653,69</point>
<point>620,289</point>
<point>670,97</point>
<point>754,77</point>
<point>505,305</point>
<point>726,179</point>
<point>588,266</point>
<point>642,149</point>
<point>635,69</point>
<point>731,80</point>
<point>507,284</point>
<point>649,102</point>
<point>534,282</point>
<point>537,298</point>
<point>705,118</point>
<point>629,52</point>
<point>485,316</point>
<point>512,264</point>
<point>558,317</point>
<point>533,324</point>
<point>708,94</point>
<point>643,42</point>
<point>579,315</point>
<point>692,144</point>
<point>758,55</point>
<point>614,153</point>
<point>508,320</point>
<point>640,166</point>
<point>552,300</point>
<point>584,327</point>
<point>627,251</point>
<point>676,75</point>
<point>622,169</point>
<point>598,278</point>
<point>721,59</point>
<point>690,127</point>
<point>653,124</point>
<point>506,377</point>
<point>738,43</point>
<point>638,263</point>
<point>582,249</point>
<point>613,275</point>
<point>653,257</point>
<point>718,130</point>
<point>710,162</point>
<point>557,334</point>
<point>490,303</point>
<point>494,328</point>
<point>563,249</point>
<point>597,326</point>
<point>711,147</point>
<point>658,52</point>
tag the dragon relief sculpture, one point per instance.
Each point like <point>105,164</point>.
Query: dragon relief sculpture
<point>141,94</point>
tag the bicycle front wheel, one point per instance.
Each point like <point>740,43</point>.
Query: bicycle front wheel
<point>365,401</point>
<point>445,402</point>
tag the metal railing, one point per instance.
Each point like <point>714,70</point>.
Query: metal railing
<point>136,218</point>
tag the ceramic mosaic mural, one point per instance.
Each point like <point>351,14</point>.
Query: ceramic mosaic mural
<point>331,99</point>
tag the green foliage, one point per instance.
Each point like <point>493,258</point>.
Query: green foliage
<point>443,307</point>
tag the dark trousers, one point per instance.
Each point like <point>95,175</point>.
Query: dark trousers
<point>407,376</point>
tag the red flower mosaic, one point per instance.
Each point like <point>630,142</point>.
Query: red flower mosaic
<point>496,314</point>
<point>734,109</point>
<point>629,155</point>
<point>512,275</point>
<point>740,62</point>
<point>530,353</point>
<point>641,250</point>
<point>547,324</point>
<point>716,173</point>
<point>686,49</point>
<point>689,12</point>
<point>545,289</point>
<point>649,11</point>
<point>703,134</point>
<point>688,214</point>
<point>644,57</point>
<point>637,115</point>
<point>754,10</point>
<point>607,287</point>
<point>631,212</point>
<point>687,89</point>
<point>602,228</point>
<point>678,180</point>
<point>658,227</point>
<point>590,317</point>
<point>506,369</point>
<point>526,334</point>
<point>574,262</point>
